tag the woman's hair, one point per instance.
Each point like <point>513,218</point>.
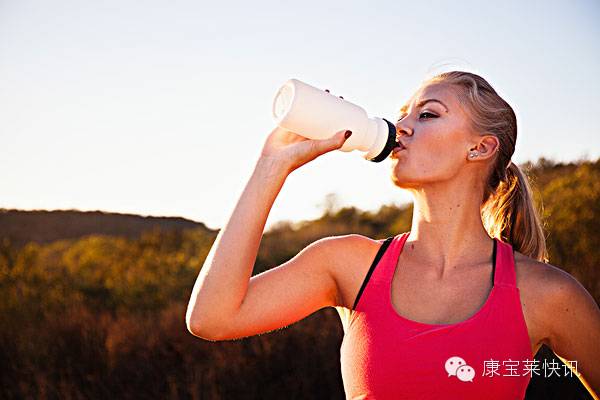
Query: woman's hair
<point>507,210</point>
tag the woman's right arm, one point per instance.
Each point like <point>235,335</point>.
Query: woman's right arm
<point>226,302</point>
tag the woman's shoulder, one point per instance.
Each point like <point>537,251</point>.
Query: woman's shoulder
<point>539,276</point>
<point>555,301</point>
<point>351,255</point>
<point>546,287</point>
<point>347,246</point>
<point>351,244</point>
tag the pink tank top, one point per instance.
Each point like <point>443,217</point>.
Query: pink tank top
<point>387,356</point>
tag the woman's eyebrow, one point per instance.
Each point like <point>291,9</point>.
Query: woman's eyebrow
<point>423,102</point>
<point>404,108</point>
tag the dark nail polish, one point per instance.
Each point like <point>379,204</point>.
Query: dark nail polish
<point>327,90</point>
<point>347,134</point>
<point>341,97</point>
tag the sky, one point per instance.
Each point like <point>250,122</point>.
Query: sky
<point>161,108</point>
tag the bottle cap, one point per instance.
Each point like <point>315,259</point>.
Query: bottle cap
<point>389,144</point>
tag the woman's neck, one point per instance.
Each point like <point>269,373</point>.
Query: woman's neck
<point>447,230</point>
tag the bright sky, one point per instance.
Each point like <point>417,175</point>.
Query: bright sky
<point>161,108</point>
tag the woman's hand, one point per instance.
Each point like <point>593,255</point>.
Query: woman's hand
<point>293,150</point>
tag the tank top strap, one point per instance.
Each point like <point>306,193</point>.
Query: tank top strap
<point>390,258</point>
<point>505,265</point>
<point>380,268</point>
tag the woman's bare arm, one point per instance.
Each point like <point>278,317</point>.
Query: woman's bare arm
<point>303,283</point>
<point>222,282</point>
<point>572,320</point>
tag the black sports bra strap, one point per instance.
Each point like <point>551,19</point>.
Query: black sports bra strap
<point>494,256</point>
<point>378,256</point>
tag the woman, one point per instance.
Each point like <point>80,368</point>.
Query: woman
<point>455,307</point>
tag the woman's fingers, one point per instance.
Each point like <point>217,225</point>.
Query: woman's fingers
<point>341,97</point>
<point>333,143</point>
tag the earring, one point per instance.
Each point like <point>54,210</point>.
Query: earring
<point>473,154</point>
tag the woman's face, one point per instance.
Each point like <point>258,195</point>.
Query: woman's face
<point>435,129</point>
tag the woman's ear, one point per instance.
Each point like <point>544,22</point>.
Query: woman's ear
<point>487,146</point>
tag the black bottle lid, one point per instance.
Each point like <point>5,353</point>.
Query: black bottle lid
<point>389,145</point>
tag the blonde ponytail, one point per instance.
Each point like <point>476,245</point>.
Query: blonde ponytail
<point>510,215</point>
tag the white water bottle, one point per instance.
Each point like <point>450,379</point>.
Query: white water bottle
<point>317,114</point>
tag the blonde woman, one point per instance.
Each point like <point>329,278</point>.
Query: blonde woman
<point>456,307</point>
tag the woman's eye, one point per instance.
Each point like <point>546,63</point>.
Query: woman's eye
<point>427,115</point>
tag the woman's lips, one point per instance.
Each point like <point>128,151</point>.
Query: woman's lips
<point>397,150</point>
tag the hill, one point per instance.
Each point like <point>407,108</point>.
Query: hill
<point>42,226</point>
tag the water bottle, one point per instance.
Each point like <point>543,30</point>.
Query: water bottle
<point>317,114</point>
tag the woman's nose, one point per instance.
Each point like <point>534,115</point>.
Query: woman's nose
<point>403,130</point>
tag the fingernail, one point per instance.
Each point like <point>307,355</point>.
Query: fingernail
<point>347,134</point>
<point>327,90</point>
<point>341,97</point>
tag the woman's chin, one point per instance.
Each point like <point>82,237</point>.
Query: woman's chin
<point>395,179</point>
<point>400,180</point>
<point>394,166</point>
